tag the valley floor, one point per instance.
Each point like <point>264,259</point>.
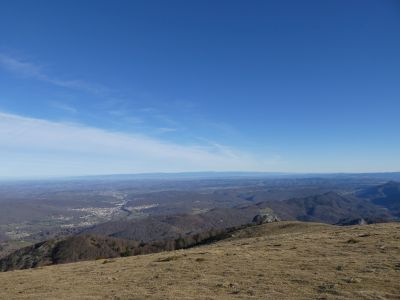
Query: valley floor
<point>284,260</point>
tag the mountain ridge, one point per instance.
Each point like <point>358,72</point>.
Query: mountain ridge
<point>386,195</point>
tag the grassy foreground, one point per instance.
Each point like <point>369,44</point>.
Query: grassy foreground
<point>284,260</point>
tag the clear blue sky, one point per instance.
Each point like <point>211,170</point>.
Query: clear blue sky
<point>97,87</point>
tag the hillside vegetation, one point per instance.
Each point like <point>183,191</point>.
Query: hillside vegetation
<point>90,247</point>
<point>330,208</point>
<point>282,260</point>
<point>385,195</point>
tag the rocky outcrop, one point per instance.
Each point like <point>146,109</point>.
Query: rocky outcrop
<point>266,216</point>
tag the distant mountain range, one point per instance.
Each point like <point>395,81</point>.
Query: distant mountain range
<point>157,233</point>
<point>209,175</point>
<point>230,175</point>
<point>386,195</point>
<point>213,175</point>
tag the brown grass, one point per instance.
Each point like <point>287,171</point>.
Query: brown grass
<point>285,260</point>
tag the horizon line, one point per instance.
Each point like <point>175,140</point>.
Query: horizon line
<point>205,174</point>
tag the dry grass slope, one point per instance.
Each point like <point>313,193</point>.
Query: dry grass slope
<point>285,260</point>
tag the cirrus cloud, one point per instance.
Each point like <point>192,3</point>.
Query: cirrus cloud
<point>37,147</point>
<point>31,70</point>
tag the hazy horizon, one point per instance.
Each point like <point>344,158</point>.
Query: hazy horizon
<point>199,175</point>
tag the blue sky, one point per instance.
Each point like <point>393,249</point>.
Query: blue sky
<point>101,87</point>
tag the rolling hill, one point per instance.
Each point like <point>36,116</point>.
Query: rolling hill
<point>171,226</point>
<point>330,208</point>
<point>91,247</point>
<point>282,260</point>
<point>386,195</point>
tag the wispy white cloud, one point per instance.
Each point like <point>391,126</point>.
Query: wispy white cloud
<point>126,116</point>
<point>30,147</point>
<point>19,66</point>
<point>35,71</point>
<point>65,107</point>
<point>166,129</point>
